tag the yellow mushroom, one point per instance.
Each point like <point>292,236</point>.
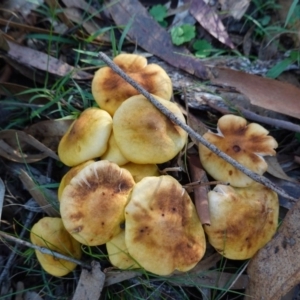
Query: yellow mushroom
<point>242,220</point>
<point>86,138</point>
<point>50,233</point>
<point>144,135</point>
<point>92,204</point>
<point>162,230</point>
<point>246,143</point>
<point>110,90</point>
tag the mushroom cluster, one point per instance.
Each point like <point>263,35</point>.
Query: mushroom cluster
<point>113,193</point>
<point>244,215</point>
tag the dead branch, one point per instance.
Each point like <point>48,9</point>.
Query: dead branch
<point>256,177</point>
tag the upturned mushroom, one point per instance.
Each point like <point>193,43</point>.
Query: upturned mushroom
<point>246,143</point>
<point>144,135</point>
<point>92,204</point>
<point>50,233</point>
<point>242,220</point>
<point>86,138</point>
<point>163,232</point>
<point>110,90</point>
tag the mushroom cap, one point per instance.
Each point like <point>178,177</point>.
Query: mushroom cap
<point>163,232</point>
<point>146,136</point>
<point>92,204</point>
<point>113,152</point>
<point>118,253</point>
<point>69,175</point>
<point>244,143</point>
<point>242,220</point>
<point>50,233</point>
<point>139,171</point>
<point>86,138</point>
<point>110,90</point>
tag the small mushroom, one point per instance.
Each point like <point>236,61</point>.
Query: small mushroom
<point>110,90</point>
<point>69,175</point>
<point>163,232</point>
<point>113,152</point>
<point>247,144</point>
<point>86,138</point>
<point>118,253</point>
<point>50,233</point>
<point>146,136</point>
<point>243,220</point>
<point>92,204</point>
<point>139,171</point>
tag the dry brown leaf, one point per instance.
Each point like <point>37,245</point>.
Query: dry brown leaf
<point>206,263</point>
<point>211,278</point>
<point>90,283</point>
<point>54,4</point>
<point>41,196</point>
<point>10,142</point>
<point>24,56</point>
<point>49,132</point>
<point>264,92</point>
<point>275,269</point>
<point>83,5</point>
<point>90,25</point>
<point>148,34</point>
<point>235,8</point>
<point>210,21</point>
<point>200,191</point>
<point>116,276</point>
<point>13,90</point>
<point>275,169</point>
<point>2,193</point>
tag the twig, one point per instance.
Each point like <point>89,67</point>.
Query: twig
<point>44,250</point>
<point>255,117</point>
<point>270,121</point>
<point>192,133</point>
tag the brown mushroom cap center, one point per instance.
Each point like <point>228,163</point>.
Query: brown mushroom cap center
<point>236,148</point>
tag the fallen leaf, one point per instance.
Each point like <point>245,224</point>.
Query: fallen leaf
<point>2,193</point>
<point>91,26</point>
<point>20,55</point>
<point>90,283</point>
<point>278,262</point>
<point>14,90</point>
<point>200,191</point>
<point>264,92</point>
<point>209,20</point>
<point>235,8</point>
<point>49,132</point>
<point>221,280</point>
<point>40,195</point>
<point>275,169</point>
<point>116,276</point>
<point>18,138</point>
<point>149,35</point>
<point>85,6</point>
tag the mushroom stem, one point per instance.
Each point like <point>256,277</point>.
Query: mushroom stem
<point>256,177</point>
<point>44,250</point>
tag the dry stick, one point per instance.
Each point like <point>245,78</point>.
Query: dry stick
<point>44,250</point>
<point>256,177</point>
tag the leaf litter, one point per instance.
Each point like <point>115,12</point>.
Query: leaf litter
<point>264,95</point>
